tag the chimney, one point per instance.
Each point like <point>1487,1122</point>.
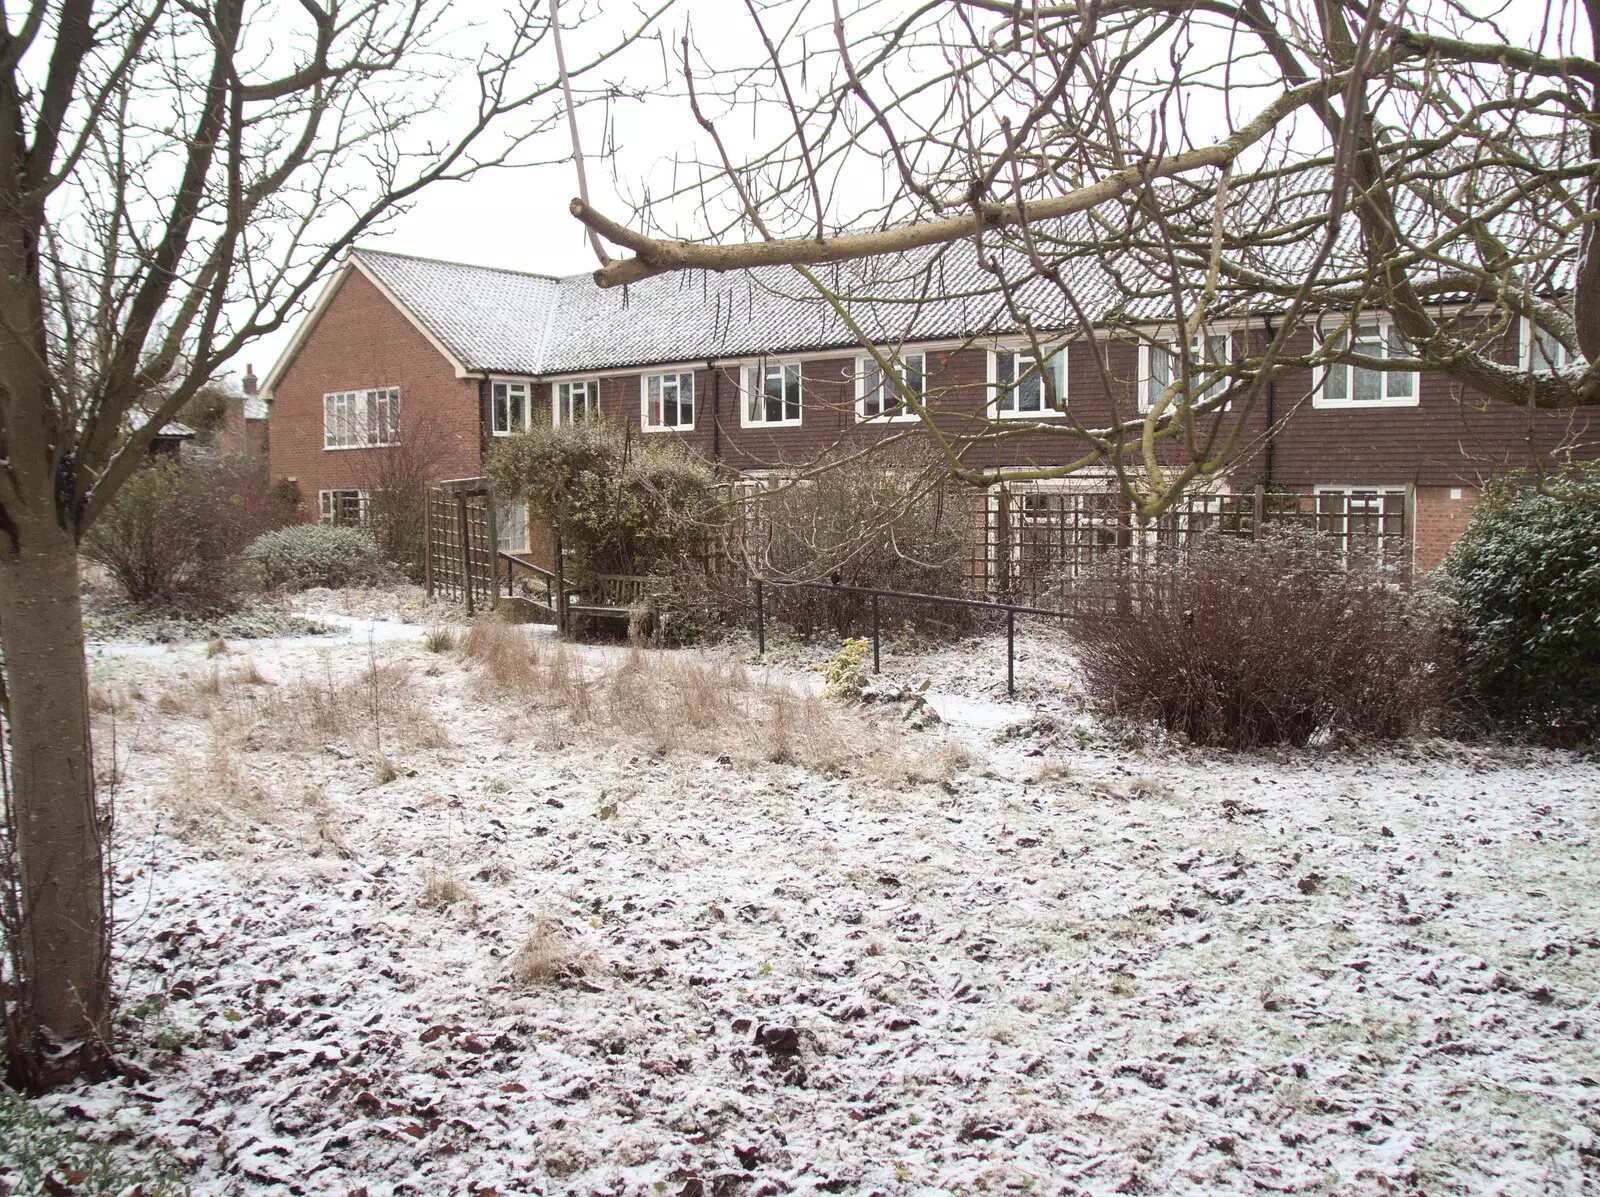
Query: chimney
<point>248,382</point>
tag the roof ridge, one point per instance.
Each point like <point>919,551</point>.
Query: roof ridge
<point>389,253</point>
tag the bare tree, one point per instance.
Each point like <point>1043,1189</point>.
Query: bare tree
<point>176,175</point>
<point>1132,171</point>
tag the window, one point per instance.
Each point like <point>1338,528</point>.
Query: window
<point>875,400</point>
<point>1019,386</point>
<point>1209,353</point>
<point>772,393</point>
<point>1543,353</point>
<point>1345,385</point>
<point>509,407</point>
<point>1364,520</point>
<point>668,401</point>
<point>576,402</point>
<point>361,419</point>
<point>345,507</point>
<point>511,527</point>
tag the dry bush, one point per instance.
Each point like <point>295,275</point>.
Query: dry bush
<point>172,535</point>
<point>442,889</point>
<point>1249,643</point>
<point>885,521</point>
<point>548,954</point>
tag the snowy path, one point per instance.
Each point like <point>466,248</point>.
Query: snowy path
<point>1047,969</point>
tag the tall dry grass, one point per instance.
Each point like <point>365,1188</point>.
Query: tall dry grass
<point>704,703</point>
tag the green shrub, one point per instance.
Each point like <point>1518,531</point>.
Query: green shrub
<point>621,504</point>
<point>1525,577</point>
<point>316,555</point>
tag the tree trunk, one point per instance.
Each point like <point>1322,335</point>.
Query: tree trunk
<point>58,1013</point>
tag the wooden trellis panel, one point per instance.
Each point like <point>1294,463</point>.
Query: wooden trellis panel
<point>462,543</point>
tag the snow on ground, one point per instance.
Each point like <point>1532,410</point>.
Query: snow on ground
<point>951,961</point>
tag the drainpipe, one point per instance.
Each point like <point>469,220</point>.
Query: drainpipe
<point>716,410</point>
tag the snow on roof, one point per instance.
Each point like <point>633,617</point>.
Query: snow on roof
<point>255,407</point>
<point>489,318</point>
<point>499,320</point>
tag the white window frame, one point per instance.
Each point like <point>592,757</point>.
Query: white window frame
<point>1407,538</point>
<point>996,396</point>
<point>867,366</point>
<point>661,378</point>
<point>520,393</point>
<point>326,505</point>
<point>592,389</point>
<point>356,428</point>
<point>1530,334</point>
<point>748,396</point>
<point>1386,334</point>
<point>1199,351</point>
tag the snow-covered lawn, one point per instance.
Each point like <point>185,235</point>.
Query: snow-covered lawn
<point>943,960</point>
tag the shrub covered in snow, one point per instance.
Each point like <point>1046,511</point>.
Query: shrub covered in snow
<point>1248,643</point>
<point>316,555</point>
<point>1525,577</point>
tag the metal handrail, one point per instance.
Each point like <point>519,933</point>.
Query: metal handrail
<point>1012,610</point>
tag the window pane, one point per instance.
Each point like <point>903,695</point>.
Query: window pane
<point>752,387</point>
<point>1368,384</point>
<point>652,401</point>
<point>1005,373</point>
<point>1337,382</point>
<point>1160,374</point>
<point>791,379</point>
<point>686,400</point>
<point>502,413</point>
<point>913,383</point>
<point>1400,385</point>
<point>1030,388</point>
<point>1548,353</point>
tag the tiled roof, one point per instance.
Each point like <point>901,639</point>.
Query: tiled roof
<point>490,319</point>
<point>503,320</point>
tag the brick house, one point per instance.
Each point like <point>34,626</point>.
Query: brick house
<point>411,355</point>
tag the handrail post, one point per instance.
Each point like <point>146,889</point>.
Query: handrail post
<point>1011,652</point>
<point>875,637</point>
<point>761,622</point>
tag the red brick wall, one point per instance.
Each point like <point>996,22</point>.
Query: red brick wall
<point>1440,519</point>
<point>362,341</point>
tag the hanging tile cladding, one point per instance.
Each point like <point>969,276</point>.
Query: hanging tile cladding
<point>363,341</point>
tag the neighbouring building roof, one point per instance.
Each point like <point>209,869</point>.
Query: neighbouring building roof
<point>255,407</point>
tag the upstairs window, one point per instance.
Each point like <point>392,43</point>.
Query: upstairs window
<point>877,398</point>
<point>1545,354</point>
<point>509,404</point>
<point>1347,385</point>
<point>576,402</point>
<point>361,419</point>
<point>1019,383</point>
<point>668,401</point>
<point>772,393</point>
<point>1209,354</point>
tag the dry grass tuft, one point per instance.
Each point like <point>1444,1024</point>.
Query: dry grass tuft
<point>249,675</point>
<point>439,639</point>
<point>508,660</point>
<point>215,792</point>
<point>217,647</point>
<point>373,705</point>
<point>548,954</point>
<point>323,832</point>
<point>383,770</point>
<point>440,890</point>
